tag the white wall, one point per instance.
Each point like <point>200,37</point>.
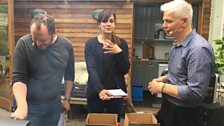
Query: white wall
<point>216,27</point>
<point>216,20</point>
<point>222,13</point>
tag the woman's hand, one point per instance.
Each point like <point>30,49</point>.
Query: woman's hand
<point>110,47</point>
<point>104,95</point>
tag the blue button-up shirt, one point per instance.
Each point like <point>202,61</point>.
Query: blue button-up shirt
<point>190,67</point>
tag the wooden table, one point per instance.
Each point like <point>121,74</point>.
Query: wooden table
<point>76,101</point>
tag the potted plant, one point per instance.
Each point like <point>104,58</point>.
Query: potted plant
<point>219,58</point>
<point>7,66</point>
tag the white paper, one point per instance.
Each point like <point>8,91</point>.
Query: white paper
<point>118,93</point>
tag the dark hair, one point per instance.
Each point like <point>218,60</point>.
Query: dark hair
<point>38,11</point>
<point>45,19</point>
<point>103,17</point>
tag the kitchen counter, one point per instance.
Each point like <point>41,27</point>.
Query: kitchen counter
<point>153,60</point>
<point>160,60</point>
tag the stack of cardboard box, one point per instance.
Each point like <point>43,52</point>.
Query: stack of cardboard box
<point>131,119</point>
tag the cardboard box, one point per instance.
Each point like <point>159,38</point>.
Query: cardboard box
<point>101,119</point>
<point>140,119</point>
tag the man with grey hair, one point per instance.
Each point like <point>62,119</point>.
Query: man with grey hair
<point>41,59</point>
<point>190,68</point>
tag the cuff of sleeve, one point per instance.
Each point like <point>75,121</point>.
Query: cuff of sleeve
<point>13,82</point>
<point>120,54</point>
<point>100,89</point>
<point>69,78</point>
<point>182,92</point>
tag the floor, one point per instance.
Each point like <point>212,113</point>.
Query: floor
<point>4,87</point>
<point>79,115</point>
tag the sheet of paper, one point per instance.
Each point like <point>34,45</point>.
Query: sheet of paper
<point>118,93</point>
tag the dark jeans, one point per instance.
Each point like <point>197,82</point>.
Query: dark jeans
<point>96,105</point>
<point>44,115</point>
<point>172,115</point>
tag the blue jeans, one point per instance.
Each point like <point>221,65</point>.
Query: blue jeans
<point>44,115</point>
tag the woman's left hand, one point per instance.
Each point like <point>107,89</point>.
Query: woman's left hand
<point>110,47</point>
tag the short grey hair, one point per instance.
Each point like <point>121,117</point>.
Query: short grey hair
<point>46,20</point>
<point>180,9</point>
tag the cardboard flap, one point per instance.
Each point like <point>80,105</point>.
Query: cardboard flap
<point>101,119</point>
<point>140,118</point>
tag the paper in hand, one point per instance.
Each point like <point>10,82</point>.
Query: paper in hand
<point>117,93</point>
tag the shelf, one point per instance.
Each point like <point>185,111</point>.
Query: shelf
<point>152,40</point>
<point>163,40</point>
<point>151,60</point>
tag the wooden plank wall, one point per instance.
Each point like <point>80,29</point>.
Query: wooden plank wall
<point>3,1</point>
<point>74,20</point>
<point>205,22</point>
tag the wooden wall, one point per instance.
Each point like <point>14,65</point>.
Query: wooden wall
<point>3,1</point>
<point>74,20</point>
<point>204,18</point>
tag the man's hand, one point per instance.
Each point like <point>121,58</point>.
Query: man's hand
<point>160,79</point>
<point>155,87</point>
<point>20,92</point>
<point>104,95</point>
<point>20,113</point>
<point>66,105</point>
<point>68,91</point>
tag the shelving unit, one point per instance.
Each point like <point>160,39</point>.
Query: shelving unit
<point>148,23</point>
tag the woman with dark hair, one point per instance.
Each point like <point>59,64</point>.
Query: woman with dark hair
<point>107,62</point>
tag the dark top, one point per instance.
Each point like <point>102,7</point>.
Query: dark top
<point>106,71</point>
<point>42,70</point>
<point>191,65</point>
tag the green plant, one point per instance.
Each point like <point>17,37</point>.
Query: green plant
<point>7,65</point>
<point>219,55</point>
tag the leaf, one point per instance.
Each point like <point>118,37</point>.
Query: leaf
<point>219,55</point>
<point>219,42</point>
